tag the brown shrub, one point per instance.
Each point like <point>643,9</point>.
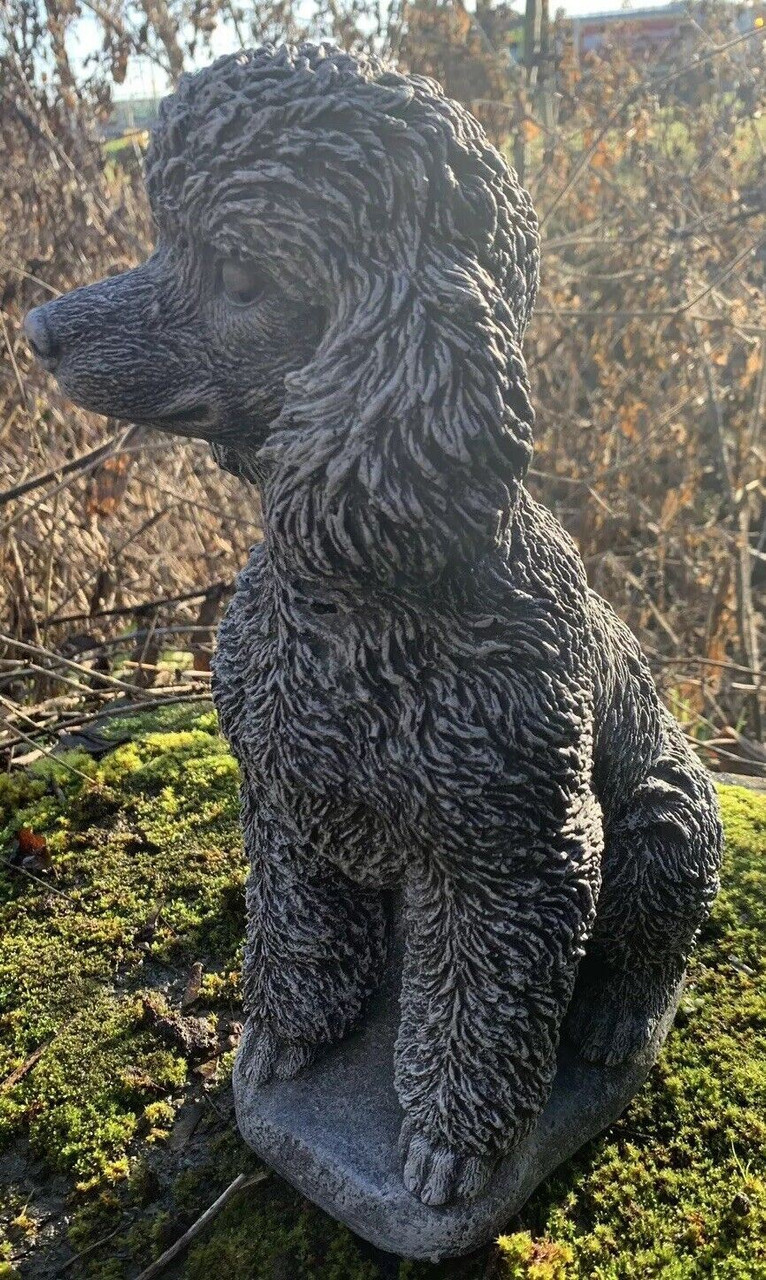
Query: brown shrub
<point>647,352</point>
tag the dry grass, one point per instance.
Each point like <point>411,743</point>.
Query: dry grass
<point>647,352</point>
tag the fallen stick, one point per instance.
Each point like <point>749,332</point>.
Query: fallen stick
<point>239,1184</point>
<point>91,1248</point>
<point>49,888</point>
<point>52,727</point>
<point>25,1067</point>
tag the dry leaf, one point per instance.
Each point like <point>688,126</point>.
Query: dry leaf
<point>33,850</point>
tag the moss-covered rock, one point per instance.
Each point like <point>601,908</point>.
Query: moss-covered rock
<point>121,913</point>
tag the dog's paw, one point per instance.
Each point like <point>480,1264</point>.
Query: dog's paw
<point>613,1021</point>
<point>610,1037</point>
<point>263,1055</point>
<point>435,1173</point>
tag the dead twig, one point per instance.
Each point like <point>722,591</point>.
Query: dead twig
<point>180,1246</point>
<point>144,606</point>
<point>50,888</point>
<point>91,1248</point>
<point>26,1066</point>
<point>84,463</point>
<point>26,606</point>
<point>59,725</point>
<point>46,751</point>
<point>14,364</point>
<point>27,275</point>
<point>691,660</point>
<point>42,652</point>
<point>638,586</point>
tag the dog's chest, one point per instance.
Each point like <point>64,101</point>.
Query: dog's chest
<point>370,727</point>
<point>321,700</point>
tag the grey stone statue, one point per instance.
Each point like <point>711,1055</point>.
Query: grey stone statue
<point>422,692</point>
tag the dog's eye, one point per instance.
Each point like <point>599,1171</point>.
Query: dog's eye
<point>241,282</point>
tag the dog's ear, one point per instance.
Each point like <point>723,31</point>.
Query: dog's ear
<point>403,443</point>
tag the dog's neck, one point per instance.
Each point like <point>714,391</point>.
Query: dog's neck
<point>417,568</point>
<point>379,508</point>
<point>240,462</point>
<point>358,538</point>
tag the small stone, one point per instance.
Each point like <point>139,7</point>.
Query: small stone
<point>193,984</point>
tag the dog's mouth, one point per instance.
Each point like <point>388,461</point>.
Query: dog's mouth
<point>197,413</point>
<point>192,420</point>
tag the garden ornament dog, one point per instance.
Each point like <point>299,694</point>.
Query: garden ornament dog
<point>420,688</point>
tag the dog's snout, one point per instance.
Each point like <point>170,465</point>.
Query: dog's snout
<point>40,335</point>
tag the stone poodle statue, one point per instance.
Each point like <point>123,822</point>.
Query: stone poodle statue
<point>420,688</point>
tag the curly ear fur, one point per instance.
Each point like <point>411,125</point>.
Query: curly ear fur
<point>402,443</point>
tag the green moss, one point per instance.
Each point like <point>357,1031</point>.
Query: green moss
<point>145,868</point>
<point>175,716</point>
<point>294,1239</point>
<point>677,1187</point>
<point>80,1106</point>
<point>142,877</point>
<point>541,1259</point>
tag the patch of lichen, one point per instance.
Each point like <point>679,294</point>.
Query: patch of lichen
<point>144,877</point>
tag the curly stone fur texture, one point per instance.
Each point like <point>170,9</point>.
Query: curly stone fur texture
<point>420,688</point>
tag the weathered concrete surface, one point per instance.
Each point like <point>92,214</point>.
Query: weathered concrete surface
<point>332,1132</point>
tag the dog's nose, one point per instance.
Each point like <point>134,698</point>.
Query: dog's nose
<point>41,338</point>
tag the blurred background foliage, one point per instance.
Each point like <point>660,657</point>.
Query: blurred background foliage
<point>647,164</point>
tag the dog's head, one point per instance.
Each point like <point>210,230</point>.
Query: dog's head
<point>343,273</point>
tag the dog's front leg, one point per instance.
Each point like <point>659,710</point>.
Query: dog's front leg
<point>315,949</point>
<point>489,968</point>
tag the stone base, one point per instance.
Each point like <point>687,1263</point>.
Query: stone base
<point>332,1132</point>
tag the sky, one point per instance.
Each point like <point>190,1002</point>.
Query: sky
<point>144,80</point>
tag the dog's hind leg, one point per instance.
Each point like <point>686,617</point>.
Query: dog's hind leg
<point>661,857</point>
<point>316,948</point>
